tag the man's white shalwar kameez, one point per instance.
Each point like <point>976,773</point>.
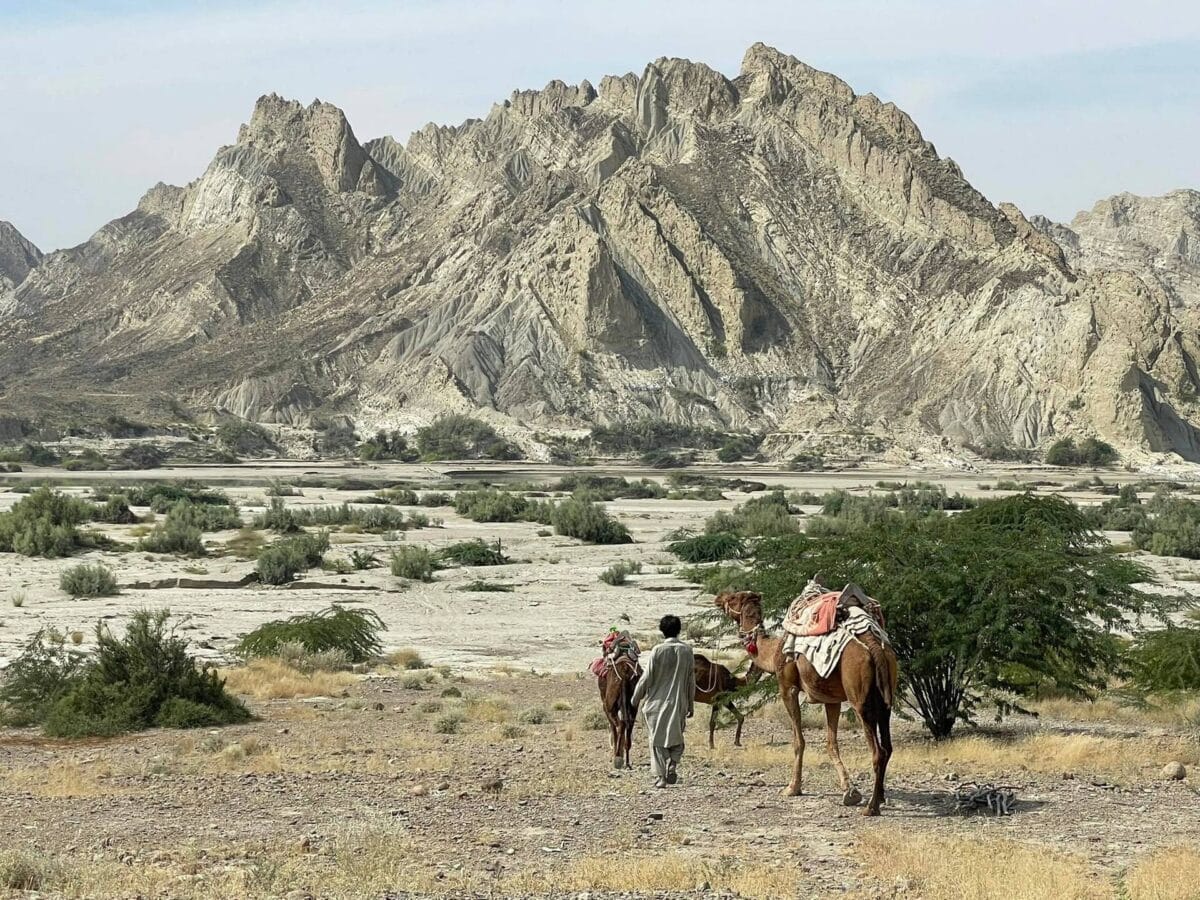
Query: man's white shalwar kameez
<point>665,694</point>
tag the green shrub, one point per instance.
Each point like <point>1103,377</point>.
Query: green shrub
<point>400,496</point>
<point>610,487</point>
<point>581,518</point>
<point>1166,660</point>
<point>709,547</point>
<point>1174,530</point>
<point>129,683</point>
<point>652,434</point>
<point>490,505</point>
<point>33,454</point>
<point>43,672</point>
<point>20,871</point>
<point>765,516</point>
<point>387,445</point>
<point>277,517</point>
<point>474,553</point>
<point>115,511</point>
<point>244,438</point>
<point>84,580</point>
<point>279,563</point>
<point>413,563</point>
<point>450,723</point>
<point>435,498</point>
<point>717,578</point>
<point>594,720</point>
<point>459,436</point>
<point>490,587</point>
<point>354,632</point>
<point>1090,452</point>
<point>618,573</point>
<point>535,715</point>
<point>737,447</point>
<point>665,459</point>
<point>161,497</point>
<point>278,488</point>
<point>363,559</point>
<point>997,451</point>
<point>141,456</point>
<point>44,524</point>
<point>807,461</point>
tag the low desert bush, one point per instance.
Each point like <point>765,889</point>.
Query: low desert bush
<point>279,563</point>
<point>766,516</point>
<point>712,547</point>
<point>580,518</point>
<point>490,505</point>
<point>474,553</point>
<point>115,511</point>
<point>1167,659</point>
<point>594,720</point>
<point>1089,452</point>
<point>88,580</point>
<point>33,682</point>
<point>458,436</point>
<point>413,563</point>
<point>618,573</point>
<point>139,680</point>
<point>435,498</point>
<point>492,587</point>
<point>45,523</point>
<point>450,723</point>
<point>243,438</point>
<point>353,632</point>
<point>535,715</point>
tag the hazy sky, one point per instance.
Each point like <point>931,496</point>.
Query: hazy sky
<point>1051,104</point>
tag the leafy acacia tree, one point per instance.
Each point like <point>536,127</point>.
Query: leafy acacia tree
<point>990,604</point>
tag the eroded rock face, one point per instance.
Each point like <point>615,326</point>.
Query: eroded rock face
<point>768,251</point>
<point>18,256</point>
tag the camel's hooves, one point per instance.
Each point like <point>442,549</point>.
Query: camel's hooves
<point>790,791</point>
<point>852,797</point>
<point>870,811</point>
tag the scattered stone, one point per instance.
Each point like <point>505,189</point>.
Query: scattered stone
<point>442,786</point>
<point>419,790</point>
<point>852,797</point>
<point>1174,771</point>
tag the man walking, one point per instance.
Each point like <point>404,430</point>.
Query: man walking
<point>665,694</point>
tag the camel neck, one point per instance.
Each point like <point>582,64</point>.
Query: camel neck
<point>769,657</point>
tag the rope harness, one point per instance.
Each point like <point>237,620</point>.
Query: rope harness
<point>998,799</point>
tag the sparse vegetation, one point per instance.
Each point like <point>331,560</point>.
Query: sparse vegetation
<point>807,461</point>
<point>1089,452</point>
<point>1167,659</point>
<point>279,563</point>
<point>141,679</point>
<point>352,632</point>
<point>45,523</point>
<point>618,573</point>
<point>413,563</point>
<point>88,580</point>
<point>768,515</point>
<point>387,445</point>
<point>491,587</point>
<point>460,436</point>
<point>490,505</point>
<point>580,518</point>
<point>708,547</point>
<point>474,553</point>
<point>243,438</point>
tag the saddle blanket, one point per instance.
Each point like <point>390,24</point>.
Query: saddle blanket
<point>824,651</point>
<point>616,644</point>
<point>817,611</point>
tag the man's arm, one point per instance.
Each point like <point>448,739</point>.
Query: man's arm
<point>639,690</point>
<point>690,660</point>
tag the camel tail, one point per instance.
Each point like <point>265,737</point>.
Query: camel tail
<point>885,672</point>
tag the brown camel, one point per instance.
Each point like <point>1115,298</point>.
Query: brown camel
<point>714,684</point>
<point>616,693</point>
<point>865,677</point>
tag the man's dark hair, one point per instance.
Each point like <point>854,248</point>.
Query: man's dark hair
<point>669,626</point>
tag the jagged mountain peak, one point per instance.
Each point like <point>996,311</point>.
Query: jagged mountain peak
<point>18,255</point>
<point>770,251</point>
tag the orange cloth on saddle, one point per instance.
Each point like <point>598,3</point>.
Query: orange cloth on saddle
<point>617,643</point>
<point>815,617</point>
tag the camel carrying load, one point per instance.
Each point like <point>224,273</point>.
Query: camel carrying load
<point>617,671</point>
<point>820,623</point>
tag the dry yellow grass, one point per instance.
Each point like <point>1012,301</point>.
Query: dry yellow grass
<point>1171,874</point>
<point>941,868</point>
<point>674,872</point>
<point>271,679</point>
<point>1107,710</point>
<point>1122,758</point>
<point>63,780</point>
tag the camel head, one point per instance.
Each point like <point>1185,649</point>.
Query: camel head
<point>745,608</point>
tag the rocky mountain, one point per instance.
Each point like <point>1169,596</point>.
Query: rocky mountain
<point>17,256</point>
<point>770,252</point>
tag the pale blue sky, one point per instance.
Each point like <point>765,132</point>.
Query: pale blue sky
<point>1051,104</point>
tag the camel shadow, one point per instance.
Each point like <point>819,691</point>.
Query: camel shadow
<point>914,804</point>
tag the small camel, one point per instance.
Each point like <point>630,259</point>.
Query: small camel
<point>616,693</point>
<point>865,677</point>
<point>714,684</point>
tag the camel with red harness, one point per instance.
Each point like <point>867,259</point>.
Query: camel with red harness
<point>864,674</point>
<point>617,673</point>
<point>715,685</point>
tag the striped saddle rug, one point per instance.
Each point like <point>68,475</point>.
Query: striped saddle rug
<point>823,651</point>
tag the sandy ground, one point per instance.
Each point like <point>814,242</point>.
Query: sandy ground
<point>549,623</point>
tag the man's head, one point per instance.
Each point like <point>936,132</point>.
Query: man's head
<point>669,626</point>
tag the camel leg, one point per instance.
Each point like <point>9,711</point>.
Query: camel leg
<point>737,737</point>
<point>833,712</point>
<point>885,744</point>
<point>791,701</point>
<point>616,729</point>
<point>712,727</point>
<point>870,713</point>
